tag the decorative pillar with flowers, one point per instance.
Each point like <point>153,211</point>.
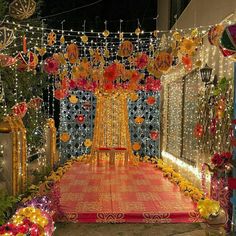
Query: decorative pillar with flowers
<point>221,169</point>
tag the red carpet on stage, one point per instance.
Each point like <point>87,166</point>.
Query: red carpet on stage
<point>117,194</point>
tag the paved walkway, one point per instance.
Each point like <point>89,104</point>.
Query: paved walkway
<point>76,229</point>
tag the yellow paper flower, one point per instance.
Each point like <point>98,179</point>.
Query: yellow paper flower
<point>187,46</point>
<point>73,99</point>
<point>133,97</point>
<point>139,120</point>
<point>87,143</point>
<point>208,207</point>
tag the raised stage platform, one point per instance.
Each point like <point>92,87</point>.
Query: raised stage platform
<point>122,194</point>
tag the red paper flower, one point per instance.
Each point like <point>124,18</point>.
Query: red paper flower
<point>72,84</point>
<point>80,118</point>
<point>20,109</point>
<point>108,86</point>
<point>187,61</point>
<point>198,130</point>
<point>110,72</point>
<point>227,155</point>
<point>151,100</point>
<point>154,135</point>
<point>60,93</point>
<point>141,60</point>
<point>51,66</point>
<point>217,160</point>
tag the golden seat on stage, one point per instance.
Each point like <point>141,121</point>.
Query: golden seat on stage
<point>111,129</point>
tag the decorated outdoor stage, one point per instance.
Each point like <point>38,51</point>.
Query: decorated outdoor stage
<point>122,194</point>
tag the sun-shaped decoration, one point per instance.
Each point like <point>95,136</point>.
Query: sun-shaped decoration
<point>73,53</point>
<point>22,9</point>
<point>163,61</point>
<point>6,37</point>
<point>126,49</point>
<point>51,39</point>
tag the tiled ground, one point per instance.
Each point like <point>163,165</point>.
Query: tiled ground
<point>75,229</point>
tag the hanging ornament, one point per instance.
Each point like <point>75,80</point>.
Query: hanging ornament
<point>24,44</point>
<point>84,38</point>
<point>20,109</point>
<point>6,61</point>
<point>163,61</point>
<point>73,53</point>
<point>106,33</point>
<point>214,34</point>
<point>126,49</point>
<point>163,42</point>
<point>137,31</point>
<point>136,146</point>
<point>154,135</point>
<point>41,51</point>
<point>51,39</point>
<point>51,66</point>
<point>32,60</point>
<point>35,103</point>
<point>151,100</point>
<point>22,9</point>
<point>106,53</point>
<point>6,37</point>
<point>62,39</point>
<point>64,137</point>
<point>87,143</point>
<point>80,118</point>
<point>73,99</point>
<point>228,38</point>
<point>21,62</point>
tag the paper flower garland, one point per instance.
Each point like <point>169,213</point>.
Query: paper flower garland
<point>6,37</point>
<point>22,9</point>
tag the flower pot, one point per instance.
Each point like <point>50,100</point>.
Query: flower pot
<point>215,224</point>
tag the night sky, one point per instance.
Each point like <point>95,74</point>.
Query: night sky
<point>110,10</point>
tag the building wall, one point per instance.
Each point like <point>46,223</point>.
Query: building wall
<point>199,13</point>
